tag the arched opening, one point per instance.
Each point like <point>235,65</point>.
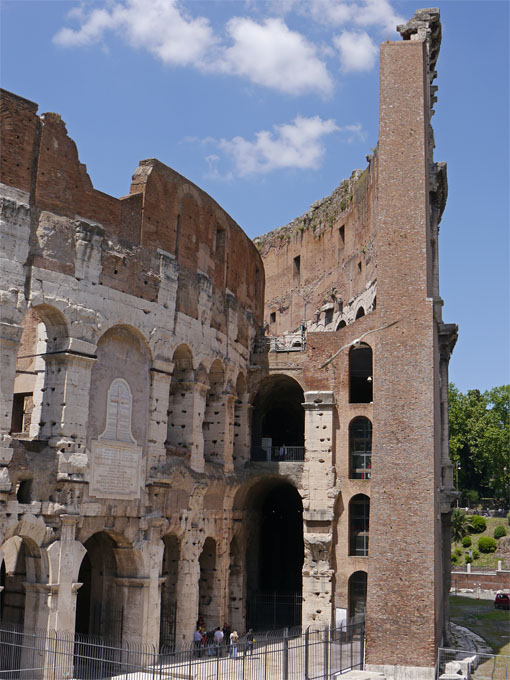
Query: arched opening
<point>360,313</point>
<point>357,594</point>
<point>278,423</point>
<point>13,575</point>
<point>168,611</point>
<point>208,595</point>
<point>342,324</point>
<point>98,611</point>
<point>275,554</point>
<point>360,374</point>
<point>213,425</point>
<point>359,516</point>
<point>180,403</point>
<point>360,447</point>
<point>38,373</point>
<point>122,356</point>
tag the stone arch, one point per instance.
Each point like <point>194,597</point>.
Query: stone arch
<point>273,534</point>
<point>359,524</point>
<point>122,354</point>
<point>360,374</point>
<point>214,425</point>
<point>39,381</point>
<point>22,563</point>
<point>278,417</point>
<point>341,324</point>
<point>360,448</point>
<point>181,402</point>
<point>106,604</point>
<point>360,312</point>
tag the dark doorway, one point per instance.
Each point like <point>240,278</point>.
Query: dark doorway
<point>97,612</point>
<point>360,374</point>
<point>357,594</point>
<point>12,577</point>
<point>278,414</point>
<point>275,559</point>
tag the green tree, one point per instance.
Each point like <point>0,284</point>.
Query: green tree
<point>461,524</point>
<point>479,440</point>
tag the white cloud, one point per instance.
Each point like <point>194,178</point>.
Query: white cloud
<point>291,145</point>
<point>365,13</point>
<point>271,54</point>
<point>357,50</point>
<point>268,54</point>
<point>156,25</point>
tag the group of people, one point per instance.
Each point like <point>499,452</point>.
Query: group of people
<point>215,642</point>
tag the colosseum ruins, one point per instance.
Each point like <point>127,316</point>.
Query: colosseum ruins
<point>177,440</point>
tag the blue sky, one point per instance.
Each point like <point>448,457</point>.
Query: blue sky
<point>269,105</point>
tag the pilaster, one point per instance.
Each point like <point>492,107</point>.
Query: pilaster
<point>319,495</point>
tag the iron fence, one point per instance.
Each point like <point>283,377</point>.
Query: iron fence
<point>473,665</point>
<point>276,655</point>
<point>278,454</point>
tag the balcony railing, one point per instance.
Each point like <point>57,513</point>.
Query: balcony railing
<point>278,454</point>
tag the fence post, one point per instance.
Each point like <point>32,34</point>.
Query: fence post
<point>326,652</point>
<point>265,661</point>
<point>362,645</point>
<point>285,660</point>
<point>307,651</point>
<point>351,639</point>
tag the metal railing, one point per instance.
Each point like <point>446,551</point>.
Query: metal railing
<point>278,454</point>
<point>472,665</point>
<point>286,655</point>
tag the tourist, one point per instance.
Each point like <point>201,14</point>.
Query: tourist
<point>234,639</point>
<point>249,643</point>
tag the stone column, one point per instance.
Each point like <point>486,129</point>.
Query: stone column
<point>242,431</point>
<point>14,247</point>
<point>318,509</point>
<point>197,450</point>
<point>161,373</point>
<point>10,335</point>
<point>65,406</point>
<point>228,436</point>
<point>188,591</point>
<point>65,557</point>
<point>216,449</point>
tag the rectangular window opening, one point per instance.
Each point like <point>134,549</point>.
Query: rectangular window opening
<point>297,267</point>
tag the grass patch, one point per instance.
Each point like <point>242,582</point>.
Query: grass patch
<point>488,560</point>
<point>482,618</point>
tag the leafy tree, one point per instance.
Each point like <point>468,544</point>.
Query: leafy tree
<point>461,524</point>
<point>479,440</point>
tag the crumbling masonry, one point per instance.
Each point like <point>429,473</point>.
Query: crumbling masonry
<point>162,458</point>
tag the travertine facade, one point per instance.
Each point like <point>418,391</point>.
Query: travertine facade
<point>157,462</point>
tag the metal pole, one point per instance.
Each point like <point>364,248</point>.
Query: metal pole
<point>285,660</point>
<point>307,651</point>
<point>325,652</point>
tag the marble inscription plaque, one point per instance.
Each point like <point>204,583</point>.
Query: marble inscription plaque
<point>115,470</point>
